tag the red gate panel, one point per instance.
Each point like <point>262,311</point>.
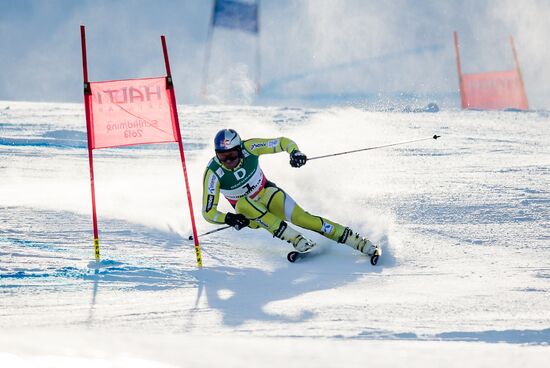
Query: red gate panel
<point>132,111</point>
<point>494,90</point>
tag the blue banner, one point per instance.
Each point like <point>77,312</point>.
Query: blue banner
<point>236,15</point>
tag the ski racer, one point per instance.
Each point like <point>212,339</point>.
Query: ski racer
<point>235,172</point>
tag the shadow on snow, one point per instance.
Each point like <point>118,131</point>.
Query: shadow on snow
<point>243,294</point>
<point>490,336</point>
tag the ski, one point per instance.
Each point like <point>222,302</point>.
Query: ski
<point>295,255</point>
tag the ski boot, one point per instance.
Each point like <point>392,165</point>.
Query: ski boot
<point>287,233</point>
<point>301,245</point>
<point>362,244</point>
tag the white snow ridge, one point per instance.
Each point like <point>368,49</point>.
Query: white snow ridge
<point>464,222</point>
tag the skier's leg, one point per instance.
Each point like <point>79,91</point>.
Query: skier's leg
<point>278,202</point>
<point>282,205</point>
<point>260,216</point>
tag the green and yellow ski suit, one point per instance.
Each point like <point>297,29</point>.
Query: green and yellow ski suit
<point>251,194</point>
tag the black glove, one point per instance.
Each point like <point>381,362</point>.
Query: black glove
<point>297,159</point>
<point>236,220</point>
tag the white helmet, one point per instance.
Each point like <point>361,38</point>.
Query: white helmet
<point>226,140</point>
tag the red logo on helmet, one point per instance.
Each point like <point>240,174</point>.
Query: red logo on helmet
<point>226,142</point>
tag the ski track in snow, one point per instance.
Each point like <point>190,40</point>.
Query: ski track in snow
<point>464,223</point>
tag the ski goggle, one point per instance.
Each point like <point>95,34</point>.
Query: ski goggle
<point>228,157</point>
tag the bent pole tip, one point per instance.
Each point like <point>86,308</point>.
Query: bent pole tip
<point>436,136</point>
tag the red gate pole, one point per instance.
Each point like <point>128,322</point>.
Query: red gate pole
<point>87,106</point>
<point>174,111</point>
<point>460,80</point>
<point>525,104</point>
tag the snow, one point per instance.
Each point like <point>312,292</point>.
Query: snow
<point>464,222</point>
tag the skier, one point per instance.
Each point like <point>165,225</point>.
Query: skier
<point>234,171</point>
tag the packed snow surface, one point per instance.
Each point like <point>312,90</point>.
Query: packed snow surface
<point>464,223</point>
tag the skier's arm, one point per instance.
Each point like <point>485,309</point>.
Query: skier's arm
<point>210,198</point>
<point>262,146</point>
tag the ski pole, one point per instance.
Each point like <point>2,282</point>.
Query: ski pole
<point>211,231</point>
<point>372,148</point>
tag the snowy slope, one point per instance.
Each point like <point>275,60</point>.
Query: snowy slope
<point>464,222</point>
